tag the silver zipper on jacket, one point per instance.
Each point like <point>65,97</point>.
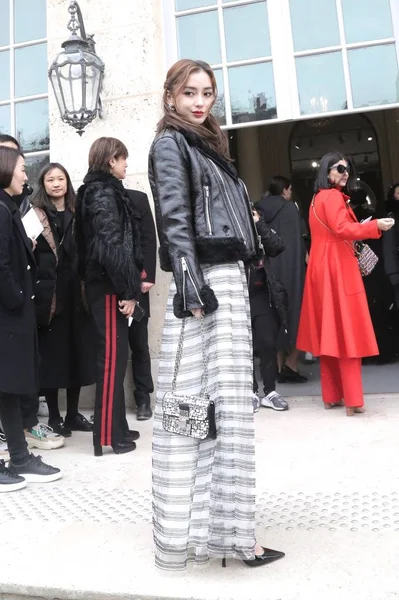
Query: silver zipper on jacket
<point>185,268</point>
<point>208,210</point>
<point>216,170</point>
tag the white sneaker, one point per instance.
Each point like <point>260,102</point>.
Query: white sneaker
<point>274,401</point>
<point>43,408</point>
<point>4,455</point>
<point>255,401</point>
<point>43,437</point>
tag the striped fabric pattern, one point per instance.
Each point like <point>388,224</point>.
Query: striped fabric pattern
<point>111,306</point>
<point>204,491</point>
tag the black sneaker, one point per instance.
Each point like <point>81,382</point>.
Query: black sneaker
<point>34,470</point>
<point>144,412</point>
<point>287,375</point>
<point>58,426</point>
<point>9,481</point>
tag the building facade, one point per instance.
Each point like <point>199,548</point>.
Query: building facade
<point>295,77</point>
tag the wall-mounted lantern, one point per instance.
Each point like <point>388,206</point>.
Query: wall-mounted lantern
<point>76,75</point>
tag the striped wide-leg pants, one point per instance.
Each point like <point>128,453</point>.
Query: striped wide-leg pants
<point>112,354</point>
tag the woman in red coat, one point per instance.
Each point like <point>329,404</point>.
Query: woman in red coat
<point>335,321</point>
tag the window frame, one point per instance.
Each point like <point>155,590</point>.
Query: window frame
<point>283,57</point>
<point>12,100</point>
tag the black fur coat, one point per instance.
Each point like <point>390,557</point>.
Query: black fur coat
<point>108,235</point>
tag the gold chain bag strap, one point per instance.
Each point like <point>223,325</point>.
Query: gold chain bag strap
<point>366,258</point>
<point>191,416</point>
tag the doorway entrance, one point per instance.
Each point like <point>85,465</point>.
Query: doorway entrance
<point>294,149</point>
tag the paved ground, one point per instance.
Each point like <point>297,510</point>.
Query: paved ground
<point>328,494</point>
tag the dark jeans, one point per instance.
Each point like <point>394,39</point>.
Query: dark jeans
<point>265,330</point>
<point>141,362</point>
<point>29,407</point>
<point>51,396</point>
<point>11,419</point>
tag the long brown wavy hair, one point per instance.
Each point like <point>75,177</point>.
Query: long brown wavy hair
<point>176,81</point>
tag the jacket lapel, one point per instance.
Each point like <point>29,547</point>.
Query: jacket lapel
<point>47,232</point>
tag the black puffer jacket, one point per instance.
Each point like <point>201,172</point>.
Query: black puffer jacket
<point>203,215</point>
<point>108,236</point>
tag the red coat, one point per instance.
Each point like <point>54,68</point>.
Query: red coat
<point>335,319</point>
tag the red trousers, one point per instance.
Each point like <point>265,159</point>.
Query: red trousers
<point>341,378</point>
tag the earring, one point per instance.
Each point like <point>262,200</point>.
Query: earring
<point>171,107</point>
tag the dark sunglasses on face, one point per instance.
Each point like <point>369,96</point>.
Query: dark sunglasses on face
<point>341,169</point>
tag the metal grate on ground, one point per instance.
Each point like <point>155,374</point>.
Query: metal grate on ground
<point>355,511</point>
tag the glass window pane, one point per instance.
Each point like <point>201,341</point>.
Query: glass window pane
<point>34,164</point>
<point>188,4</point>
<point>30,20</point>
<point>252,93</point>
<point>314,24</point>
<point>367,20</point>
<point>31,70</point>
<point>384,86</point>
<point>247,31</point>
<point>321,83</point>
<point>5,75</point>
<point>219,108</point>
<point>5,22</point>
<point>198,37</point>
<point>32,125</point>
<point>5,119</point>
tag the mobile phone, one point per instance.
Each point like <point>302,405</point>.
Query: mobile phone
<point>139,313</point>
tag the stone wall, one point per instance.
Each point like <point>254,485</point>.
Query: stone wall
<point>129,38</point>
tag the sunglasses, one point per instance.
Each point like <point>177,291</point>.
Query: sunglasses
<point>341,169</point>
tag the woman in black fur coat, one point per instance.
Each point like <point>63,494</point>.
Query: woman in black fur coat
<point>110,263</point>
<point>66,334</point>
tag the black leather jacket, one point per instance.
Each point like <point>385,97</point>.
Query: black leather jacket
<point>203,215</point>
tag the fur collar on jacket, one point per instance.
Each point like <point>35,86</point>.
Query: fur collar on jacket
<point>107,178</point>
<point>195,140</point>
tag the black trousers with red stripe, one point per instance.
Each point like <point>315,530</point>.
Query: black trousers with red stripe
<point>111,326</point>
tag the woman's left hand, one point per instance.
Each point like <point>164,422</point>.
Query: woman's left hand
<point>197,312</point>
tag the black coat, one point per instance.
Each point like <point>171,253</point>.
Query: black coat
<point>66,334</point>
<point>148,239</point>
<point>271,291</point>
<point>108,236</point>
<point>289,267</point>
<point>18,335</point>
<point>56,265</point>
<point>203,215</point>
<point>390,249</point>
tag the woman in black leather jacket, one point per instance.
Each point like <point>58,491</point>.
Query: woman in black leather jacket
<point>207,232</point>
<point>110,263</point>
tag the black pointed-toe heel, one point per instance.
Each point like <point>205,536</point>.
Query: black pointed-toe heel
<point>267,557</point>
<point>98,450</point>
